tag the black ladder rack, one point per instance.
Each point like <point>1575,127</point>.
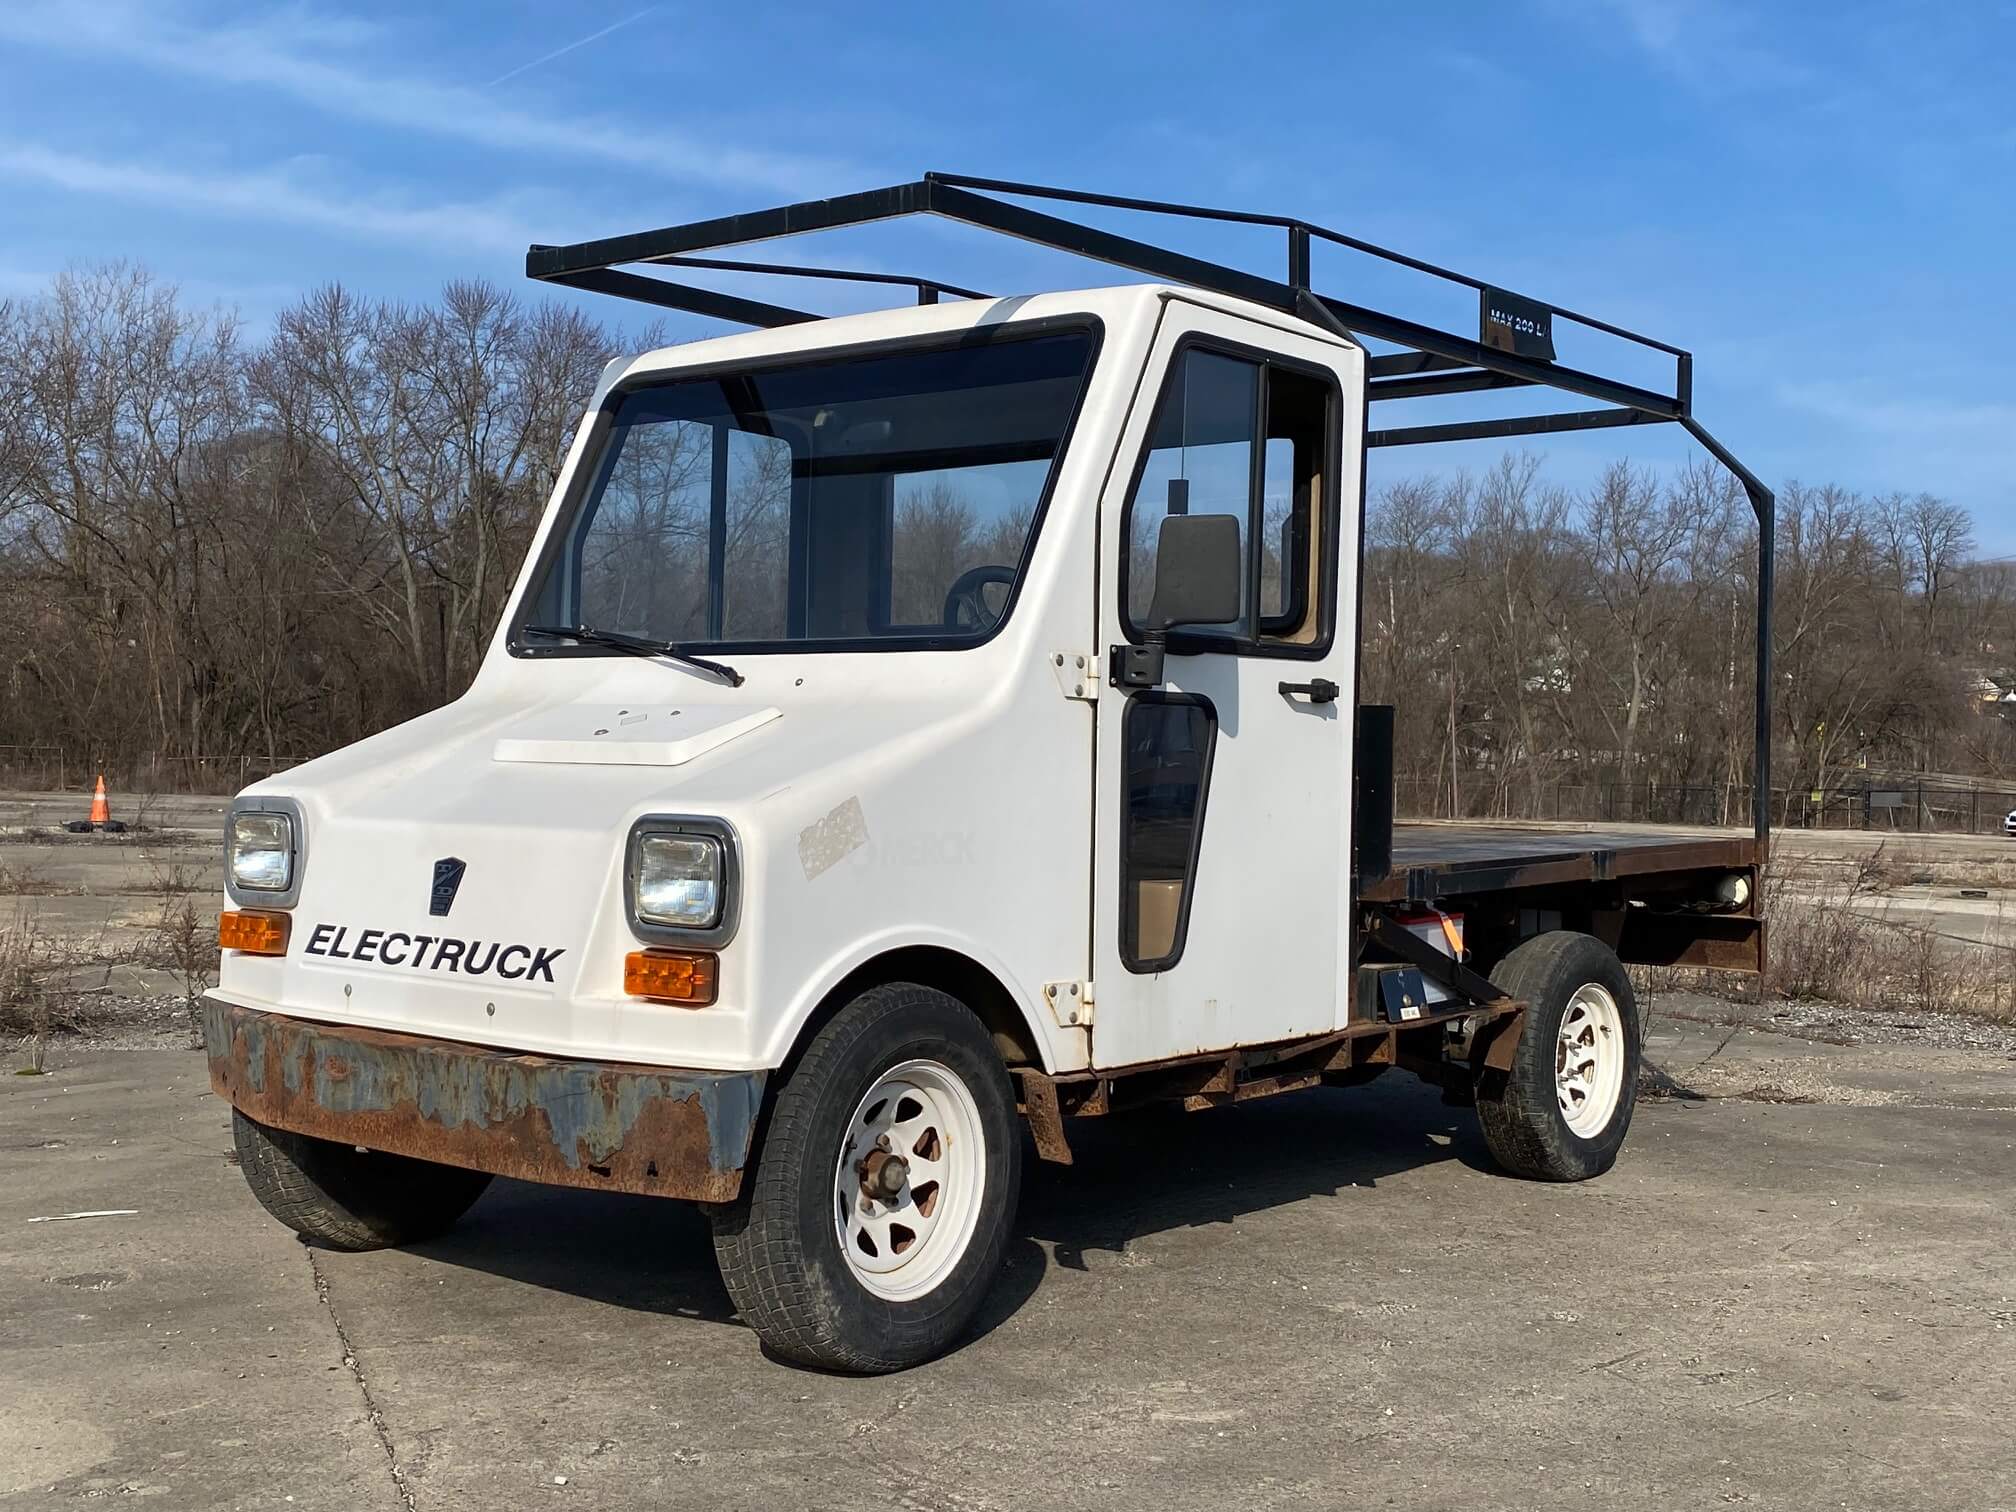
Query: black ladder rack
<point>1514,347</point>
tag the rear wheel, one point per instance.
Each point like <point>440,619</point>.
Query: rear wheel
<point>347,1198</point>
<point>874,1219</point>
<point>1562,1111</point>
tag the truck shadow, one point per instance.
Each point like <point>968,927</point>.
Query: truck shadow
<point>643,1254</point>
<point>1135,1175</point>
<point>1164,1169</point>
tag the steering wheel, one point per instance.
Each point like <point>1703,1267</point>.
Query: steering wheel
<point>965,605</point>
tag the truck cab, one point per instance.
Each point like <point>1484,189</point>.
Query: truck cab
<point>906,726</point>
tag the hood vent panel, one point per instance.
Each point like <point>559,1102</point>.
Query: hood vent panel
<point>632,735</point>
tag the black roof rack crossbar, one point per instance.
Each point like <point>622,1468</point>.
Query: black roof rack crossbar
<point>1515,425</point>
<point>673,296</point>
<point>959,198</point>
<point>1287,223</point>
<point>1435,385</point>
<point>928,289</point>
<point>1514,347</point>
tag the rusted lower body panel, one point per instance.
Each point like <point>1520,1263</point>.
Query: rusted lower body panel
<point>1720,942</point>
<point>1228,1077</point>
<point>1038,1095</point>
<point>617,1128</point>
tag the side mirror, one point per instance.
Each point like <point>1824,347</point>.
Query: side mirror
<point>1197,582</point>
<point>1197,572</point>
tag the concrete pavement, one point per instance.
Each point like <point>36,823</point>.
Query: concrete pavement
<point>194,813</point>
<point>181,1353</point>
<point>1322,1298</point>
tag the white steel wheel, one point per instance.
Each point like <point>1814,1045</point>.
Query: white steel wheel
<point>909,1182</point>
<point>1589,1056</point>
<point>1561,1108</point>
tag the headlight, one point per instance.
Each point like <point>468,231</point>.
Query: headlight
<point>682,880</point>
<point>679,880</point>
<point>260,852</point>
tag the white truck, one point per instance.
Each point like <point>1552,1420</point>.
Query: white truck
<point>915,726</point>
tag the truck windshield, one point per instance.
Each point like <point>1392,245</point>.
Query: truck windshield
<point>890,497</point>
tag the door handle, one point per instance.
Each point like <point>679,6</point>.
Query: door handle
<point>1320,691</point>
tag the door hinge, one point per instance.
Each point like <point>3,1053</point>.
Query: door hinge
<point>1070,1003</point>
<point>1077,676</point>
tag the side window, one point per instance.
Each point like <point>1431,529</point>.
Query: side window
<point>1248,439</point>
<point>1200,461</point>
<point>1293,507</point>
<point>1169,739</point>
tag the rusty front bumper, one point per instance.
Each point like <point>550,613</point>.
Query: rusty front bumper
<point>575,1123</point>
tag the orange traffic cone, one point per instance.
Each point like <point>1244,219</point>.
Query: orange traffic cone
<point>101,815</point>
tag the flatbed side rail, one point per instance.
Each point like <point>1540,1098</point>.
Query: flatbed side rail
<point>1514,347</point>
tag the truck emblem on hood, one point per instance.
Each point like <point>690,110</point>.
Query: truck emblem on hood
<point>447,878</point>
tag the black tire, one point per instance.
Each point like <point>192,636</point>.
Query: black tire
<point>778,1245</point>
<point>1520,1110</point>
<point>346,1198</point>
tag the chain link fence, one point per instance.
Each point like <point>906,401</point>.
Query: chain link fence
<point>52,769</point>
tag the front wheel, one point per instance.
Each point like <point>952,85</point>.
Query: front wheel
<point>1561,1112</point>
<point>347,1198</point>
<point>875,1217</point>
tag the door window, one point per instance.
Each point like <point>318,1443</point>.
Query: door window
<point>1250,439</point>
<point>1200,462</point>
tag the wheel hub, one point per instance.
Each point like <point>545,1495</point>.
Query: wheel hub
<point>910,1180</point>
<point>883,1175</point>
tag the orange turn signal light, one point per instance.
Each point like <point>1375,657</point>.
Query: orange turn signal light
<point>252,932</point>
<point>672,976</point>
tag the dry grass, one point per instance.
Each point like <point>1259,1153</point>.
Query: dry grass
<point>1900,860</point>
<point>43,992</point>
<point>25,881</point>
<point>24,1003</point>
<point>187,936</point>
<point>1831,942</point>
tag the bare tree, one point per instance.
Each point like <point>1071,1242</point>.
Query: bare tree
<point>215,554</point>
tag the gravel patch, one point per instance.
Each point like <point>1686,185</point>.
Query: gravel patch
<point>1836,1024</point>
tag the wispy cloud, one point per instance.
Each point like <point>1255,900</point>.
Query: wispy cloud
<point>304,193</point>
<point>1711,47</point>
<point>561,52</point>
<point>1943,442</point>
<point>316,63</point>
<point>271,195</point>
<point>1866,407</point>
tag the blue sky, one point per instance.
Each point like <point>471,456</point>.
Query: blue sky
<point>1818,200</point>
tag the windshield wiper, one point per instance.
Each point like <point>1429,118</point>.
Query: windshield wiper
<point>639,645</point>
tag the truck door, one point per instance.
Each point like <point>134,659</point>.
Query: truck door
<point>1221,869</point>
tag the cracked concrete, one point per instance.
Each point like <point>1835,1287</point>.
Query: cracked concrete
<point>379,1429</point>
<point>1319,1299</point>
<point>180,1353</point>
